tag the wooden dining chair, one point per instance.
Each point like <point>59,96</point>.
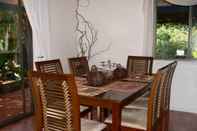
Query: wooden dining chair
<point>50,66</point>
<point>54,66</point>
<point>167,94</point>
<point>149,120</point>
<point>173,66</point>
<point>142,102</point>
<point>78,65</point>
<point>57,104</point>
<point>139,65</point>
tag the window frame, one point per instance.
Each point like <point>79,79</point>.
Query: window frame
<point>188,55</point>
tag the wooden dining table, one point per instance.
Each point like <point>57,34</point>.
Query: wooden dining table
<point>113,96</point>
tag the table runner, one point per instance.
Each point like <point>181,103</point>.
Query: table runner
<point>119,86</point>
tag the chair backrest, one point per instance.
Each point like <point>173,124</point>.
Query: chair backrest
<point>156,98</point>
<point>56,102</point>
<point>165,103</point>
<point>139,64</point>
<point>78,65</point>
<point>168,86</point>
<point>49,66</point>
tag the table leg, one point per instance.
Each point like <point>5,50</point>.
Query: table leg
<point>116,117</point>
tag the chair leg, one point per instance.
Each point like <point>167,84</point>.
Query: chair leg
<point>87,113</point>
<point>91,113</point>
<point>104,114</point>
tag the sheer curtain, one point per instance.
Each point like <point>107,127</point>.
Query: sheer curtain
<point>183,2</point>
<point>38,14</point>
<point>149,26</point>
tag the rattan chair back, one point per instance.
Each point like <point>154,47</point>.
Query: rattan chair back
<point>57,102</point>
<point>166,101</point>
<point>156,99</point>
<point>169,84</point>
<point>139,65</point>
<point>78,65</point>
<point>49,66</point>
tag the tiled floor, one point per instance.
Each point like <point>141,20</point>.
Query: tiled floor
<point>23,125</point>
<point>179,121</point>
<point>11,104</point>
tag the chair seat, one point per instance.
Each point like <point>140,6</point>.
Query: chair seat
<point>90,125</point>
<point>140,103</point>
<point>132,118</point>
<point>86,125</point>
<point>82,108</point>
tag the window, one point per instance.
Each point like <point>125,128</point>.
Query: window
<point>9,68</point>
<point>15,54</point>
<point>194,32</point>
<point>176,31</point>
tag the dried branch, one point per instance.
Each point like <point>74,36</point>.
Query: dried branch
<point>88,35</point>
<point>102,51</point>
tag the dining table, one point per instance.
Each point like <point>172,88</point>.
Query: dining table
<point>114,95</point>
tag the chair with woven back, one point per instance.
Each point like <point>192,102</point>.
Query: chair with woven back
<point>54,66</point>
<point>141,102</point>
<point>78,66</point>
<point>167,94</point>
<point>149,119</point>
<point>169,84</point>
<point>50,66</point>
<point>139,65</point>
<point>57,104</point>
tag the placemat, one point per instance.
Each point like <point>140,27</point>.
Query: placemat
<point>126,86</point>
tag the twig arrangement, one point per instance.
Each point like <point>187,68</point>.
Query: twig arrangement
<point>88,35</point>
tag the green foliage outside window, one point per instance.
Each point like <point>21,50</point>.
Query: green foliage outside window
<point>194,41</point>
<point>8,22</point>
<point>170,37</point>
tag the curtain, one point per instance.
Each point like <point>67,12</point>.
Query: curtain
<point>183,2</point>
<point>38,14</point>
<point>149,26</point>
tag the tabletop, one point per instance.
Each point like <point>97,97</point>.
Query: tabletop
<point>116,91</point>
<point>114,95</point>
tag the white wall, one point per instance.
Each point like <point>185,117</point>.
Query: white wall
<point>119,23</point>
<point>184,86</point>
<point>62,28</point>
